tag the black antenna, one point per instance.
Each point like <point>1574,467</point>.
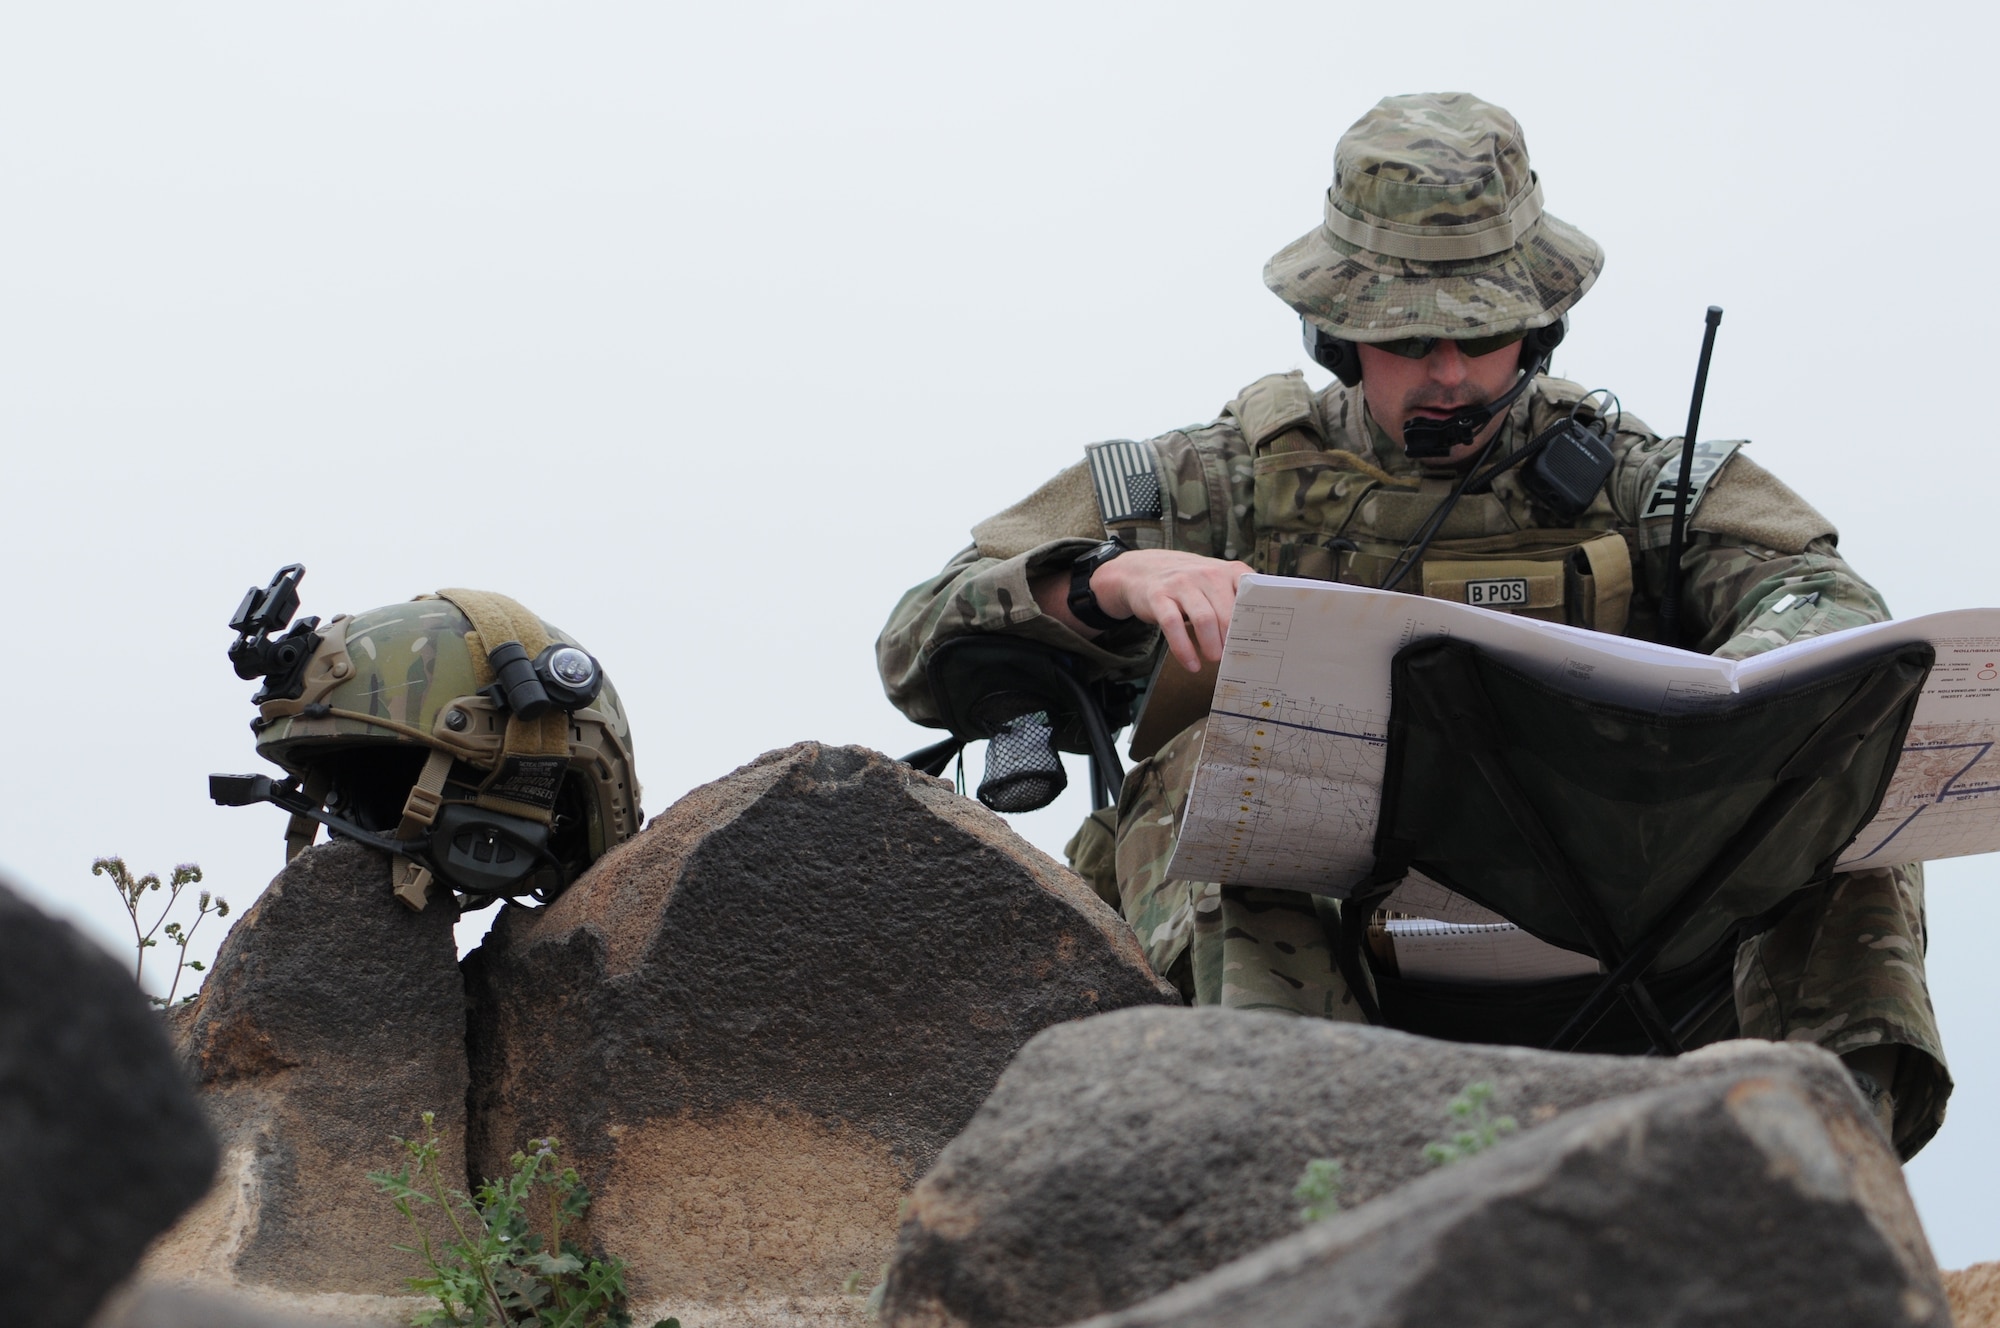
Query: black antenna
<point>1670,603</point>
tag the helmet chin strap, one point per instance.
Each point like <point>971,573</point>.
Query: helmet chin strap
<point>1431,440</point>
<point>468,847</point>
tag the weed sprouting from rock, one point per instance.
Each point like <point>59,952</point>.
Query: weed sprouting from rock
<point>1479,1128</point>
<point>857,1284</point>
<point>498,1271</point>
<point>1318,1189</point>
<point>132,891</point>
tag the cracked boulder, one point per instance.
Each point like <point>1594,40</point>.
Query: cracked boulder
<point>332,1019</point>
<point>1746,1198</point>
<point>755,1024</point>
<point>101,1144</point>
<point>1123,1155</point>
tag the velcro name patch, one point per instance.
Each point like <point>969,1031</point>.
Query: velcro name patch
<point>1709,454</point>
<point>1502,592</point>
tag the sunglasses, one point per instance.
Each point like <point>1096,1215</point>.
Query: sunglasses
<point>1415,348</point>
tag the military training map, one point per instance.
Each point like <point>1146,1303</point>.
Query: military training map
<point>1290,775</point>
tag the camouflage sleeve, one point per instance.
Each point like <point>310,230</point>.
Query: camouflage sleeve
<point>987,587</point>
<point>1743,599</point>
<point>1760,568</point>
<point>979,594</point>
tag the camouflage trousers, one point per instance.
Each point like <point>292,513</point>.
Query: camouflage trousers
<point>1844,969</point>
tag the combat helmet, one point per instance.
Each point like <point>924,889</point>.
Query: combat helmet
<point>480,746</point>
<point>1434,227</point>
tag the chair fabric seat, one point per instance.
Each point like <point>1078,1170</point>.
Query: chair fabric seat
<point>1499,785</point>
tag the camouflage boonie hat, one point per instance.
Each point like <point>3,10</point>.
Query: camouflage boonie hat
<point>1434,228</point>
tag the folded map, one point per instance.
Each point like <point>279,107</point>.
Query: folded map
<point>1290,775</point>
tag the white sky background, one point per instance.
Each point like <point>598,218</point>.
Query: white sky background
<point>705,331</point>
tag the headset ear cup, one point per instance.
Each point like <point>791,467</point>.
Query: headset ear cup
<point>1542,342</point>
<point>1344,361</point>
<point>1337,356</point>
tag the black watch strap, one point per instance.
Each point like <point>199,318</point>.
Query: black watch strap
<point>1082,601</point>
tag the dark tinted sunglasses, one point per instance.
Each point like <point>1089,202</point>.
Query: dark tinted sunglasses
<point>1415,348</point>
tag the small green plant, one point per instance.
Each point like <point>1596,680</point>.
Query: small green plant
<point>1318,1189</point>
<point>1479,1128</point>
<point>856,1284</point>
<point>497,1272</point>
<point>132,891</point>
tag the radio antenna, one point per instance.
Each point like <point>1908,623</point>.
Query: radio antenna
<point>1670,603</point>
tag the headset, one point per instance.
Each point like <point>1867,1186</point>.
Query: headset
<point>1340,357</point>
<point>1426,439</point>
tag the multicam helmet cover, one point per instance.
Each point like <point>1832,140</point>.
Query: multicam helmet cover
<point>393,726</point>
<point>1434,227</point>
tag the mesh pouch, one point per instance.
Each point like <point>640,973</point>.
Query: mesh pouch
<point>1023,772</point>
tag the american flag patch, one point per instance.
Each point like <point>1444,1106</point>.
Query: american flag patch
<point>1127,483</point>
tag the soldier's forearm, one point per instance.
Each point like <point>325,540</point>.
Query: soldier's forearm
<point>974,594</point>
<point>1745,601</point>
<point>1052,597</point>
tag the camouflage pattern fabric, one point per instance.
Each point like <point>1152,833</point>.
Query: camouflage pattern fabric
<point>1216,504</point>
<point>1247,949</point>
<point>386,677</point>
<point>1844,970</point>
<point>1434,227</point>
<point>1093,853</point>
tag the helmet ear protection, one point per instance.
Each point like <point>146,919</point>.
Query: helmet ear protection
<point>1340,358</point>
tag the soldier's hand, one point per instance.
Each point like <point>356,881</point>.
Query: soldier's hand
<point>1188,597</point>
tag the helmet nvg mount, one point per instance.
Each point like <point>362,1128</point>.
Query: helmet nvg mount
<point>478,745</point>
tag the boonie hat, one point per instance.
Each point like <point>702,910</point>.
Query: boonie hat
<point>1434,228</point>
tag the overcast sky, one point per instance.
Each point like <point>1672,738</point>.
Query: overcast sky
<point>706,330</point>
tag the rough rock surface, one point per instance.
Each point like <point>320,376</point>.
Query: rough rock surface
<point>332,1019</point>
<point>1123,1155</point>
<point>101,1144</point>
<point>159,1305</point>
<point>755,1024</point>
<point>1975,1295</point>
<point>1742,1199</point>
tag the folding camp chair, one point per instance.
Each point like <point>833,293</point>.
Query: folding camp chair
<point>1654,842</point>
<point>1025,700</point>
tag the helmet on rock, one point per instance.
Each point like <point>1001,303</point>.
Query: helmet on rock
<point>476,743</point>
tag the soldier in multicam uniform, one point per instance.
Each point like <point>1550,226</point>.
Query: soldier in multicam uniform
<point>1439,277</point>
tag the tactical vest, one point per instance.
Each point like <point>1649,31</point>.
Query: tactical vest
<point>1332,515</point>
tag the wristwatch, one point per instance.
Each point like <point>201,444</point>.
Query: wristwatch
<point>1082,602</point>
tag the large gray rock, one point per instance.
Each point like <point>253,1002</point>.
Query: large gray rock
<point>101,1144</point>
<point>1123,1155</point>
<point>1743,1199</point>
<point>156,1305</point>
<point>754,1025</point>
<point>332,1019</point>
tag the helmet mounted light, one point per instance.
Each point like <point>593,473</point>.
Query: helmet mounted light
<point>562,677</point>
